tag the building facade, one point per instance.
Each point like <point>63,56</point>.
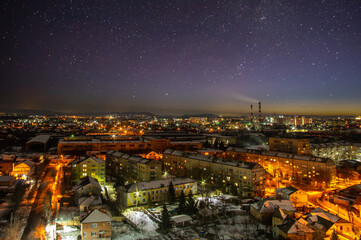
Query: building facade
<point>92,166</point>
<point>302,169</point>
<point>133,168</point>
<point>248,178</point>
<point>155,191</point>
<point>290,145</point>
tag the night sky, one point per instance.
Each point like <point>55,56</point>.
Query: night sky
<point>194,56</point>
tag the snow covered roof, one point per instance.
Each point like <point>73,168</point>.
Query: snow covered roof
<point>90,201</point>
<point>27,162</point>
<point>292,226</point>
<point>141,186</point>
<point>132,158</point>
<point>213,159</point>
<point>85,181</point>
<point>269,206</point>
<point>279,214</point>
<point>39,139</point>
<point>287,190</point>
<point>5,178</point>
<point>97,216</point>
<point>278,154</point>
<point>96,159</point>
<point>181,218</point>
<point>324,214</point>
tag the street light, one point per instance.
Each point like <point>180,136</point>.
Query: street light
<point>202,184</point>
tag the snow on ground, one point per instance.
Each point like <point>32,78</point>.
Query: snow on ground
<point>124,231</point>
<point>142,222</point>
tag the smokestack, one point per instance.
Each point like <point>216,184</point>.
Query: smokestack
<point>251,112</point>
<point>259,109</point>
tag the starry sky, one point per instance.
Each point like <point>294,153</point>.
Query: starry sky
<point>181,56</point>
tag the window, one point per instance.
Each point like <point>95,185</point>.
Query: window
<point>94,225</point>
<point>109,223</point>
<point>93,234</point>
<point>84,165</point>
<point>84,234</point>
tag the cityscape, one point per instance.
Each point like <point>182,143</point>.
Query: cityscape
<point>167,120</point>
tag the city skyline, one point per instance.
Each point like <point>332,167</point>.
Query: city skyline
<point>182,57</point>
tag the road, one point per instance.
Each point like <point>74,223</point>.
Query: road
<point>36,217</point>
<point>314,198</point>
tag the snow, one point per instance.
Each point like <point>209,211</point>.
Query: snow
<point>142,222</point>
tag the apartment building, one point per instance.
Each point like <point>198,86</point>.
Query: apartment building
<point>155,191</point>
<point>134,168</point>
<point>290,145</point>
<point>92,166</point>
<point>247,177</point>
<point>302,169</point>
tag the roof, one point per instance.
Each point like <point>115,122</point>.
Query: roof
<point>130,157</point>
<point>26,162</point>
<point>39,139</point>
<point>324,214</point>
<point>5,178</point>
<point>85,181</point>
<point>292,226</point>
<point>181,218</point>
<point>269,206</point>
<point>96,159</point>
<point>287,190</point>
<point>279,154</point>
<point>279,214</point>
<point>97,216</point>
<point>141,186</point>
<point>213,159</point>
<point>90,201</point>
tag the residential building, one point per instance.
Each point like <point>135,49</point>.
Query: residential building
<point>248,178</point>
<point>302,169</point>
<point>336,150</point>
<point>298,197</point>
<point>133,168</point>
<point>97,225</point>
<point>89,203</point>
<point>290,145</point>
<point>92,166</point>
<point>21,170</point>
<point>294,230</point>
<point>131,144</point>
<point>87,186</point>
<point>155,191</point>
<point>263,210</point>
<point>6,182</point>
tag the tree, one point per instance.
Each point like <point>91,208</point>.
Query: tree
<point>150,202</point>
<point>13,230</point>
<point>334,235</point>
<point>119,180</point>
<point>234,190</point>
<point>216,144</point>
<point>182,203</point>
<point>221,146</point>
<point>191,206</point>
<point>171,193</point>
<point>17,196</point>
<point>47,203</point>
<point>164,224</point>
